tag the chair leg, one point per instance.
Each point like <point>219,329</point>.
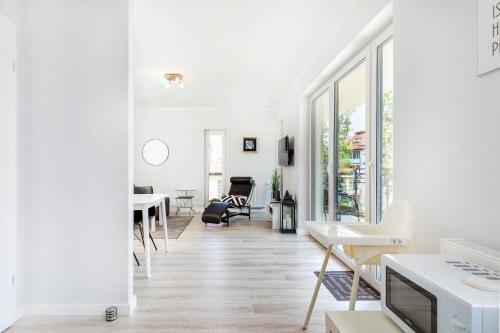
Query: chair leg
<point>152,240</point>
<point>136,260</point>
<point>318,285</point>
<point>142,236</point>
<point>355,284</point>
<point>249,212</point>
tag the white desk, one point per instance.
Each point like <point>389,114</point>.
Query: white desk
<point>143,202</point>
<point>360,242</point>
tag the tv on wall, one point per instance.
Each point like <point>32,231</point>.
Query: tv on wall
<point>285,151</point>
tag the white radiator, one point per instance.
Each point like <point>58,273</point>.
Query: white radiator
<point>261,195</point>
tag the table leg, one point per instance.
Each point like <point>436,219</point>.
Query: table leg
<point>145,226</point>
<point>153,224</point>
<point>165,223</point>
<point>354,289</point>
<point>160,218</point>
<point>318,285</point>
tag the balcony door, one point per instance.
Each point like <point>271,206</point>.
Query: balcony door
<point>351,156</point>
<point>321,191</point>
<point>215,156</point>
<point>352,144</point>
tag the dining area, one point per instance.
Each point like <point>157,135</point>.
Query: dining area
<point>148,206</point>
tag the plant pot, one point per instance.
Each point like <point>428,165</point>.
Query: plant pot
<point>276,196</point>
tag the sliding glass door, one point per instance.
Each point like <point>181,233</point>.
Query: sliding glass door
<point>351,145</point>
<point>214,163</point>
<point>320,175</point>
<point>385,113</point>
<point>352,142</point>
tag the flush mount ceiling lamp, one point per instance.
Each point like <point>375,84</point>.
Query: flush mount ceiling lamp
<point>173,78</point>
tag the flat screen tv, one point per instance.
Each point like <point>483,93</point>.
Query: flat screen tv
<point>285,151</point>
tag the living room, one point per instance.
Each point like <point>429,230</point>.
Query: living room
<point>371,115</point>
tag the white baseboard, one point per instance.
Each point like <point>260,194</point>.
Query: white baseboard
<point>76,309</point>
<point>301,232</point>
<point>19,312</point>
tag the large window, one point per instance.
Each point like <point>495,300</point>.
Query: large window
<point>385,112</point>
<point>215,150</point>
<point>320,157</point>
<point>350,152</point>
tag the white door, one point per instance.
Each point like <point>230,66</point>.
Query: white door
<point>8,173</point>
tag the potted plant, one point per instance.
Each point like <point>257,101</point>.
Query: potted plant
<point>276,184</point>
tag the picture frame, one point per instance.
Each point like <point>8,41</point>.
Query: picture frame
<point>250,144</point>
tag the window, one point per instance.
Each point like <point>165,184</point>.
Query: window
<point>321,157</point>
<point>214,141</point>
<point>350,152</point>
<point>385,112</point>
<point>352,165</point>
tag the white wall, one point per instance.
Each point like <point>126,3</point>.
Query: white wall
<point>13,10</point>
<point>446,124</point>
<point>8,173</point>
<point>77,220</point>
<point>183,131</point>
<point>292,109</point>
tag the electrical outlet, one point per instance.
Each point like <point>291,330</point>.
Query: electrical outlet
<point>13,280</point>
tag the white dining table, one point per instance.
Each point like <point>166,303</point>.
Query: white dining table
<point>143,202</point>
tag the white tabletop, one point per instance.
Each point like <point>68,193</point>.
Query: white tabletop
<point>337,233</point>
<point>141,200</point>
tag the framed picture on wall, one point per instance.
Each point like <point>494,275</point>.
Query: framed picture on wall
<point>250,144</point>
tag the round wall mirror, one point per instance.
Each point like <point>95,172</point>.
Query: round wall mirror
<point>155,152</point>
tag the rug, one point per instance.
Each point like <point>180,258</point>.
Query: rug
<point>340,282</point>
<point>176,225</point>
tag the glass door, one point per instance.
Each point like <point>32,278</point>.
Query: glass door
<point>385,114</point>
<point>352,142</point>
<point>321,177</point>
<point>384,136</point>
<point>215,160</point>
<point>351,145</point>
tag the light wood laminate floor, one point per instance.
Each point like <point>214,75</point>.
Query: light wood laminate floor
<point>245,278</point>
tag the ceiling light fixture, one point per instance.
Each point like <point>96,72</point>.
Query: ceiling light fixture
<point>170,78</point>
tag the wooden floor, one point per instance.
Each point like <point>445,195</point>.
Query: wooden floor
<point>245,278</point>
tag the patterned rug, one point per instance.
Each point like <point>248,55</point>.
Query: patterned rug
<point>340,282</point>
<point>176,225</point>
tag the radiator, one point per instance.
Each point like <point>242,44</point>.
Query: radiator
<point>261,195</point>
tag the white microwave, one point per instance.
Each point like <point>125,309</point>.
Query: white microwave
<point>427,294</point>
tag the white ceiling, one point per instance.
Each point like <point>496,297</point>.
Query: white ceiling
<point>233,53</point>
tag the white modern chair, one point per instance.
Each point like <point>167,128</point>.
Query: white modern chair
<point>364,243</point>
